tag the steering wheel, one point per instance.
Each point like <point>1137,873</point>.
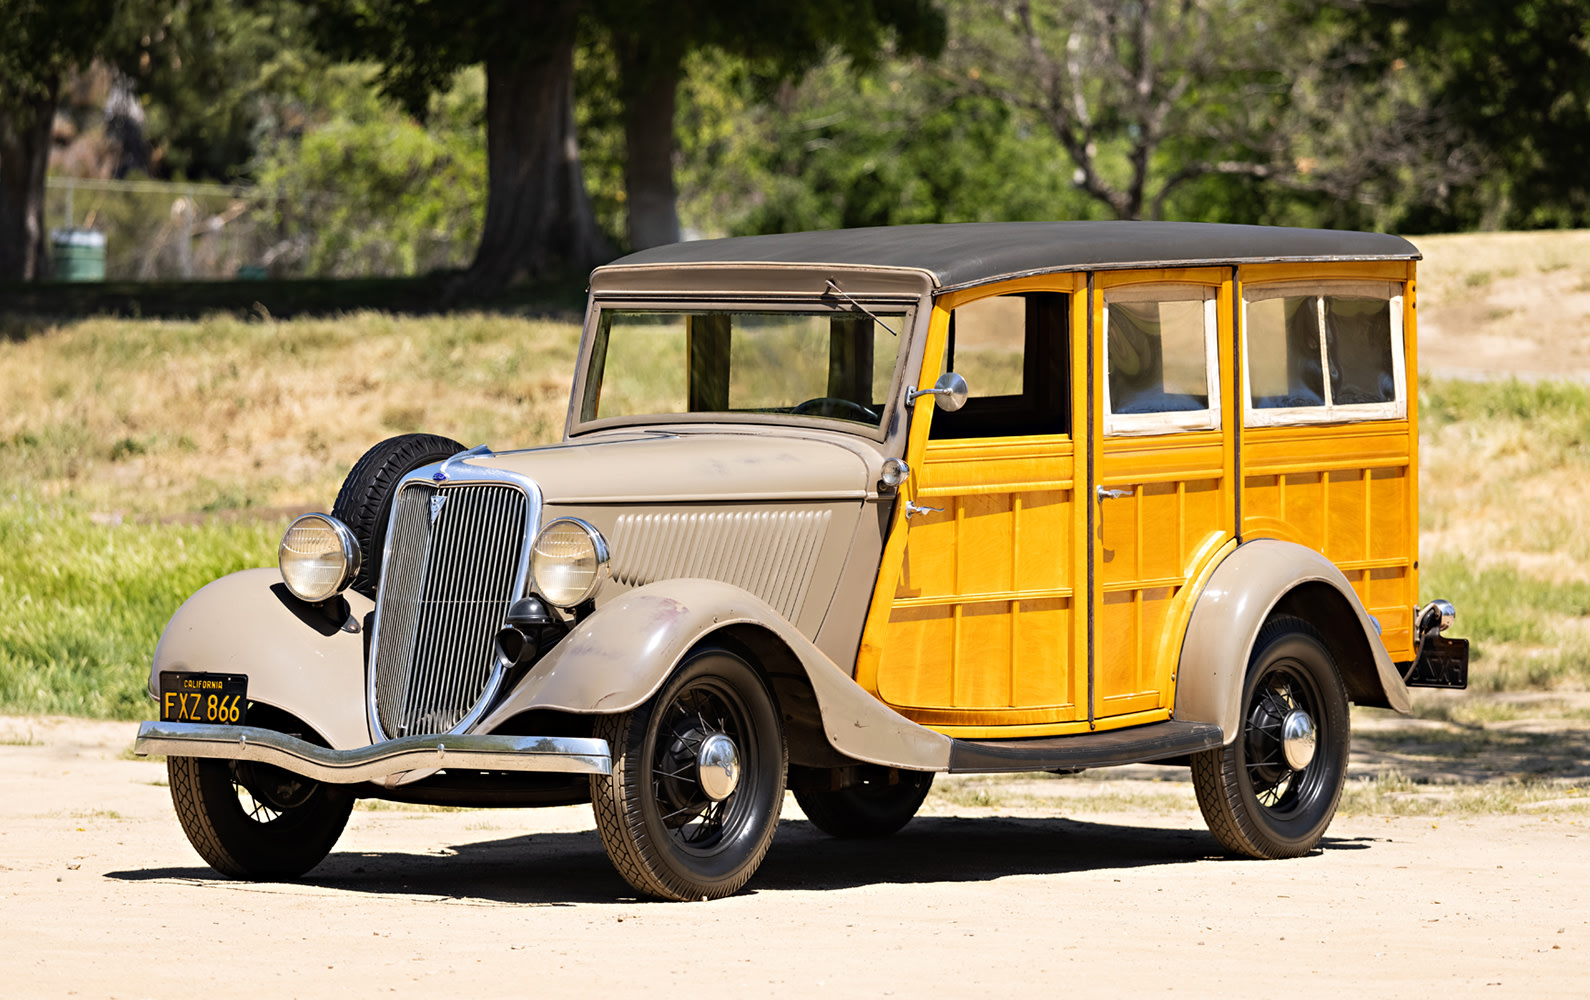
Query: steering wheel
<point>835,406</point>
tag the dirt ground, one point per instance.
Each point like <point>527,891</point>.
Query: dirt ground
<point>1499,305</point>
<point>1098,885</point>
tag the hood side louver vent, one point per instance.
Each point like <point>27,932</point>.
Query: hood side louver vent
<point>770,553</point>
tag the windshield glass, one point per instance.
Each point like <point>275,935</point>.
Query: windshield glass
<point>835,363</point>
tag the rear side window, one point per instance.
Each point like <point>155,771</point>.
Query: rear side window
<point>1160,358</point>
<point>1323,352</point>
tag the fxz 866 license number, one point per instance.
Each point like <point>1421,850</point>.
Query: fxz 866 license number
<point>219,699</point>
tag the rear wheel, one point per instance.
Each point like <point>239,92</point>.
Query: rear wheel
<point>693,801</point>
<point>1272,792</point>
<point>364,503</point>
<point>872,808</point>
<point>255,821</point>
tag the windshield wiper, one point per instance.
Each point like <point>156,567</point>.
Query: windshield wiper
<point>848,298</point>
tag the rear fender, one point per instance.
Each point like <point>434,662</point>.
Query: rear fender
<point>622,653</point>
<point>239,625</point>
<point>1264,577</point>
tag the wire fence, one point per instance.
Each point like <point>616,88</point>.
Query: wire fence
<point>155,230</point>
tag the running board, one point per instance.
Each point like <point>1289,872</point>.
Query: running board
<point>1134,745</point>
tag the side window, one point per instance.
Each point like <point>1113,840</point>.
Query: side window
<point>1014,352</point>
<point>1323,351</point>
<point>1161,362</point>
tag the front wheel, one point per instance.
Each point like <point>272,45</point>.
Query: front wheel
<point>255,821</point>
<point>698,780</point>
<point>1272,792</point>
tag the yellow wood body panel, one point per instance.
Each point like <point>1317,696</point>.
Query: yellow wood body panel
<point>980,626</point>
<point>979,621</point>
<point>1348,490</point>
<point>1171,530</point>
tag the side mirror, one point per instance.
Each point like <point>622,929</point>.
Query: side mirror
<point>951,390</point>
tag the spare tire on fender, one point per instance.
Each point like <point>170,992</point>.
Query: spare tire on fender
<point>364,503</point>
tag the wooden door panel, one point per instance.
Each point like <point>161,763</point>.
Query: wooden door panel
<point>983,627</point>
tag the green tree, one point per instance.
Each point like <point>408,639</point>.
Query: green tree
<point>538,218</point>
<point>890,145</point>
<point>214,77</point>
<point>1512,80</point>
<point>780,39</point>
<point>40,40</point>
<point>361,188</point>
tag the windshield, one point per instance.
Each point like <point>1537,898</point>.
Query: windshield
<point>836,363</point>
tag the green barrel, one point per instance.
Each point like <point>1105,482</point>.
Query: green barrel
<point>79,254</point>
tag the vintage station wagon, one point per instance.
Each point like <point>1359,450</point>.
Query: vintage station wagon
<point>836,512</point>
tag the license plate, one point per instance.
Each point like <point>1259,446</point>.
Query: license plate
<point>217,699</point>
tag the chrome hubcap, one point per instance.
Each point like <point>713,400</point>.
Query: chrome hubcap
<point>718,766</point>
<point>1298,738</point>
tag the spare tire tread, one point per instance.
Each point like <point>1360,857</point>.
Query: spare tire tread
<point>365,501</point>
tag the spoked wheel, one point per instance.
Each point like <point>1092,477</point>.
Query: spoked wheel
<point>876,807</point>
<point>698,780</point>
<point>255,821</point>
<point>1272,792</point>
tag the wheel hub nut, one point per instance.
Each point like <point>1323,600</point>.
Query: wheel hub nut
<point>1297,739</point>
<point>718,766</point>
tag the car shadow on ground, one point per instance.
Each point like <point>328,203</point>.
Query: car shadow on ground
<point>569,868</point>
<point>1474,754</point>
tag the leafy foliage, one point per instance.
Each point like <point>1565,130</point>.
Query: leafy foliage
<point>1514,80</point>
<point>363,188</point>
<point>892,145</point>
<point>41,39</point>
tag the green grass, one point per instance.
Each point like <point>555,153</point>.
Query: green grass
<point>85,602</point>
<point>1558,413</point>
<point>1500,604</point>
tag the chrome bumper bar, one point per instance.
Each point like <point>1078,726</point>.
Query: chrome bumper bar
<point>567,755</point>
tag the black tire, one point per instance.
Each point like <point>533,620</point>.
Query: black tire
<point>664,834</point>
<point>874,808</point>
<point>364,503</point>
<point>1255,801</point>
<point>254,821</point>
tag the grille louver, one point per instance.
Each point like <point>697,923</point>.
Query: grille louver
<point>453,569</point>
<point>770,553</point>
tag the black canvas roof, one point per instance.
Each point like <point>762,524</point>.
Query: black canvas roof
<point>976,252</point>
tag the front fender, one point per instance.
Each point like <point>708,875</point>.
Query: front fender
<point>622,653</point>
<point>1258,578</point>
<point>238,625</point>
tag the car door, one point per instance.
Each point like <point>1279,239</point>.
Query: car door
<point>978,625</point>
<point>1162,483</point>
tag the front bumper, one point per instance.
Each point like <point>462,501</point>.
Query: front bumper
<point>566,755</point>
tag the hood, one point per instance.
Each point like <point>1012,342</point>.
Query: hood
<point>662,467</point>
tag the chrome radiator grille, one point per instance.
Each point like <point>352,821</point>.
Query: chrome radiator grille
<point>453,566</point>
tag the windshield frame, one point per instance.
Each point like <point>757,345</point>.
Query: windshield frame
<point>911,305</point>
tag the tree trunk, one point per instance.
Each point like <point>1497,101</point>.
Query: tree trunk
<point>539,221</point>
<point>650,89</point>
<point>24,155</point>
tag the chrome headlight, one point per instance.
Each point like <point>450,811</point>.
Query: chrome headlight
<point>568,562</point>
<point>319,557</point>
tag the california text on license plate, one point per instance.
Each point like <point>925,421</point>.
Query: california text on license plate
<point>219,699</point>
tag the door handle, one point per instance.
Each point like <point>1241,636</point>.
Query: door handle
<point>1103,493</point>
<point>911,508</point>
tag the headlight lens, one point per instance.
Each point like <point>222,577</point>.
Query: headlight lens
<point>568,562</point>
<point>319,557</point>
